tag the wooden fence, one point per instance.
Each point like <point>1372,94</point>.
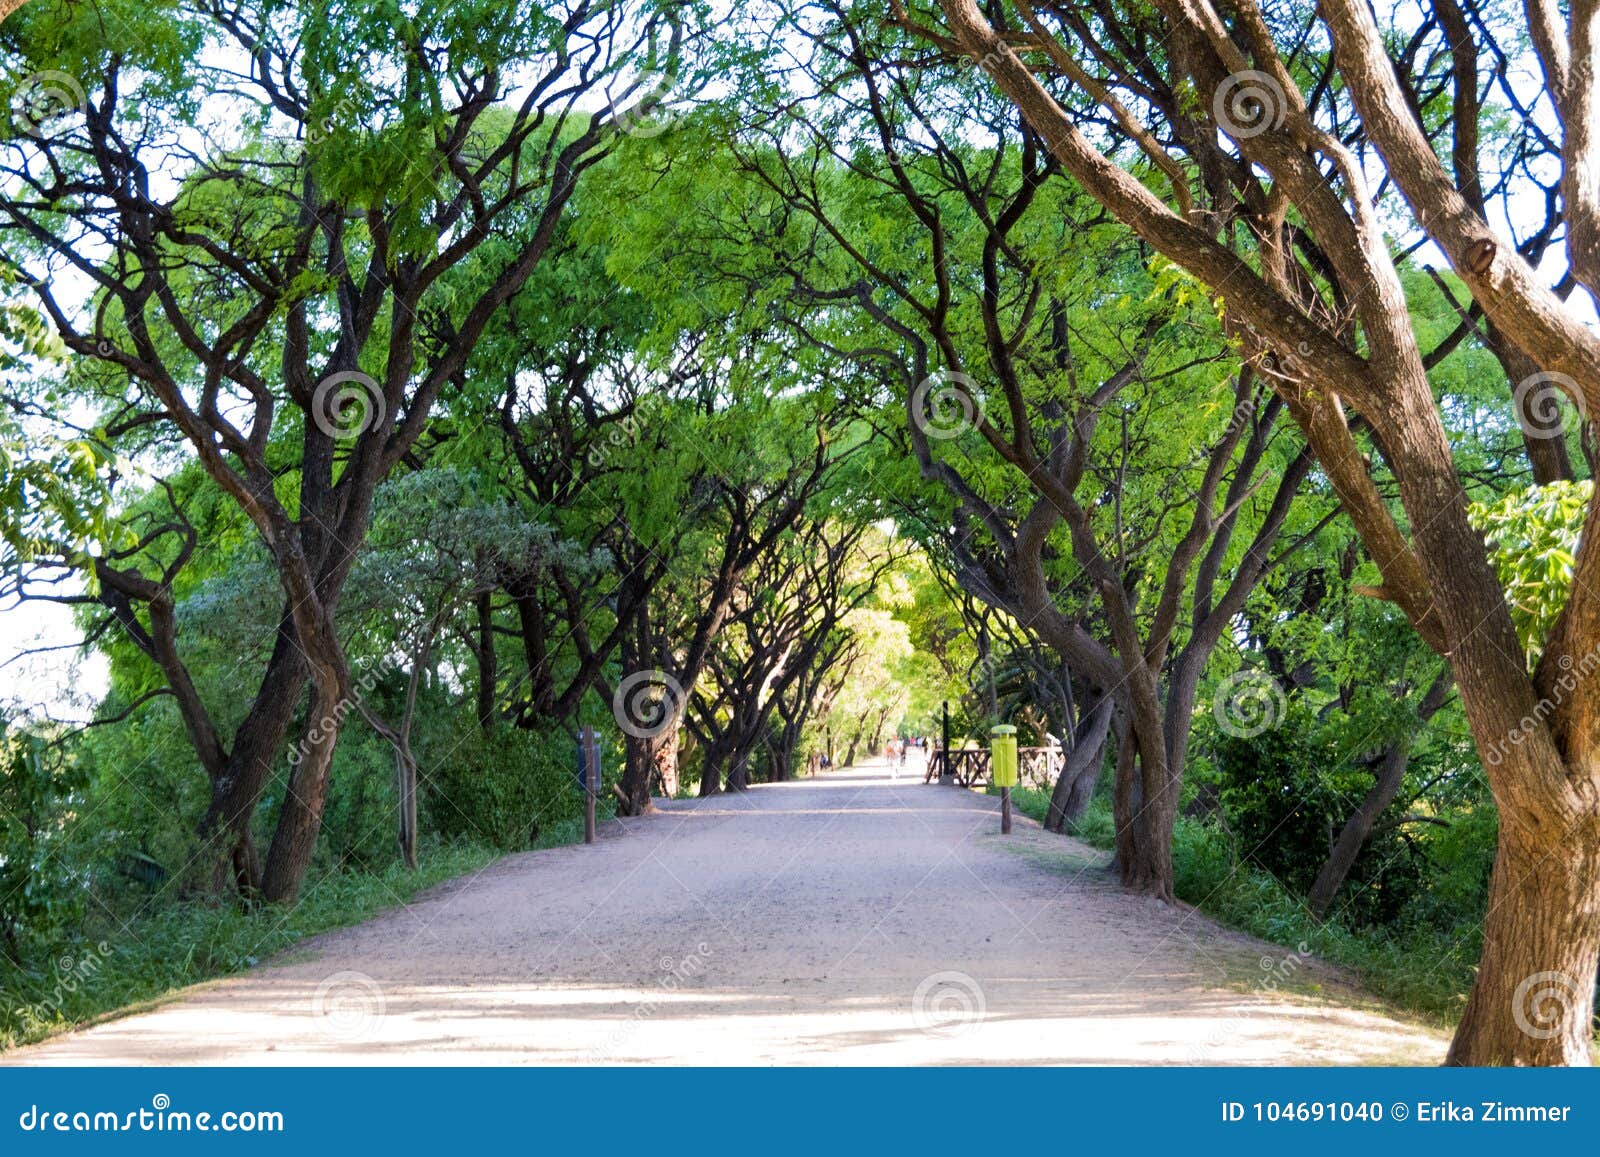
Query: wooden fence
<point>1036,766</point>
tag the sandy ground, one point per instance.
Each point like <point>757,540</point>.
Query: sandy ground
<point>850,919</point>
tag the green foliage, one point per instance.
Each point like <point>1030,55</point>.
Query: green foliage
<point>38,890</point>
<point>53,496</point>
<point>179,944</point>
<point>1533,539</point>
<point>145,795</point>
<point>508,788</point>
<point>360,821</point>
<point>1428,969</point>
<point>1287,791</point>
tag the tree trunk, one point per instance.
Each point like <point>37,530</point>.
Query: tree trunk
<point>1080,771</point>
<point>406,768</point>
<point>875,744</point>
<point>781,768</point>
<point>711,768</point>
<point>487,666</point>
<point>633,793</point>
<point>1125,797</point>
<point>850,749</point>
<point>405,773</point>
<point>748,736</point>
<point>1145,809</point>
<point>781,753</point>
<point>1148,818</point>
<point>300,820</point>
<point>647,761</point>
<point>250,765</point>
<point>536,653</point>
<point>1148,867</point>
<point>666,765</point>
<point>1353,836</point>
<point>1532,1002</point>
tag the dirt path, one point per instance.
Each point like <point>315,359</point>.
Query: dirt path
<point>852,919</point>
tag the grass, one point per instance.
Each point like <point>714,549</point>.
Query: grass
<point>563,832</point>
<point>1427,971</point>
<point>185,943</point>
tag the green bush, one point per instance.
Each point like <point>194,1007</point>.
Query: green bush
<point>145,797</point>
<point>177,943</point>
<point>360,823</point>
<point>1285,792</point>
<point>510,789</point>
<point>38,889</point>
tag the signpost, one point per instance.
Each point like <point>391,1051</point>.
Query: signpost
<point>588,777</point>
<point>1003,769</point>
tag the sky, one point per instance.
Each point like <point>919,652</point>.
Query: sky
<point>61,684</point>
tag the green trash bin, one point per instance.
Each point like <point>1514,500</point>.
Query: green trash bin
<point>1003,755</point>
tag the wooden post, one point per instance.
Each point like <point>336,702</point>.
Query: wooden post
<point>1005,811</point>
<point>589,763</point>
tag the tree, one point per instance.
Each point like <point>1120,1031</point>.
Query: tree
<point>750,473</point>
<point>1273,204</point>
<point>1032,360</point>
<point>434,546</point>
<point>290,308</point>
<point>787,618</point>
<point>559,411</point>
